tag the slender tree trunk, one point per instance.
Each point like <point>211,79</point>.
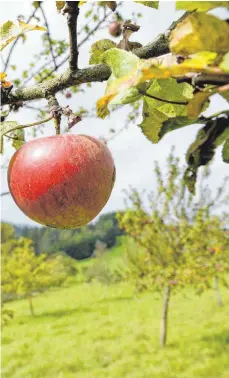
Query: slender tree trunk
<point>30,299</point>
<point>217,292</point>
<point>164,319</point>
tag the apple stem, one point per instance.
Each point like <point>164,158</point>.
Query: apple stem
<point>55,111</point>
<point>57,125</point>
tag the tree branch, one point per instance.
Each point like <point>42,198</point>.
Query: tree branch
<point>160,45</point>
<point>73,11</point>
<point>200,79</point>
<point>97,73</point>
<point>106,15</point>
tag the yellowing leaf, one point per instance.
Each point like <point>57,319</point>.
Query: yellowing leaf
<point>151,4</point>
<point>10,31</point>
<point>2,76</point>
<point>102,105</point>
<point>112,5</point>
<point>200,6</point>
<point>200,60</point>
<point>200,32</point>
<point>60,5</point>
<point>195,106</point>
<point>82,2</point>
<point>224,65</point>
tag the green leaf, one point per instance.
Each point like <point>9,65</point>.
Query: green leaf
<point>98,48</point>
<point>151,4</point>
<point>176,123</point>
<point>10,31</point>
<point>126,97</point>
<point>225,152</point>
<point>224,65</point>
<point>198,104</point>
<point>122,63</point>
<point>156,113</point>
<point>152,121</point>
<point>19,138</point>
<point>6,127</point>
<point>192,35</point>
<point>200,6</point>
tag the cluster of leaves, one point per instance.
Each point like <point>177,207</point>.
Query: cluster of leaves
<point>168,103</point>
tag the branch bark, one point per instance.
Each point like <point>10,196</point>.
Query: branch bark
<point>200,79</point>
<point>73,11</point>
<point>97,73</point>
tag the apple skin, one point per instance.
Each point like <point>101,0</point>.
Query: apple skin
<point>62,181</point>
<point>115,29</point>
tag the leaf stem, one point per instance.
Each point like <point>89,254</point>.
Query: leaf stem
<point>163,100</point>
<point>18,127</point>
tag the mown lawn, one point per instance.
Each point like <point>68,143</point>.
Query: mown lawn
<point>90,331</point>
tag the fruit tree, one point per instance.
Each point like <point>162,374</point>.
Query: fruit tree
<point>171,80</point>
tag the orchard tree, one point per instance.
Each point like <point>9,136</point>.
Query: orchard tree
<point>173,79</point>
<point>183,242</point>
<point>24,273</point>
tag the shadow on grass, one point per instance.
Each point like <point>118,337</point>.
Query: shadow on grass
<point>60,313</point>
<point>221,339</point>
<point>115,299</point>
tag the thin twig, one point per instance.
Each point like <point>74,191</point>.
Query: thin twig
<point>73,12</point>
<point>29,125</point>
<point>4,194</point>
<point>16,40</point>
<point>48,35</point>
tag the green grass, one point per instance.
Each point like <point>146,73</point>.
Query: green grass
<point>92,331</point>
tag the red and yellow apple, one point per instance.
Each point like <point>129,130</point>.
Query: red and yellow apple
<point>62,181</point>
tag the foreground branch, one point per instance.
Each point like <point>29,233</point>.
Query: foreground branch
<point>97,73</point>
<point>73,11</point>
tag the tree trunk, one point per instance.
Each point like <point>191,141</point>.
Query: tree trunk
<point>30,299</point>
<point>217,292</point>
<point>164,319</point>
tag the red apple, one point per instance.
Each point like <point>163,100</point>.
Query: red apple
<point>115,29</point>
<point>62,181</point>
<point>68,95</point>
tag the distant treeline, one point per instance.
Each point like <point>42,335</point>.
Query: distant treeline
<point>78,243</point>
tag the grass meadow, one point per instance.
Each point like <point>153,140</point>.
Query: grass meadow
<point>96,331</point>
